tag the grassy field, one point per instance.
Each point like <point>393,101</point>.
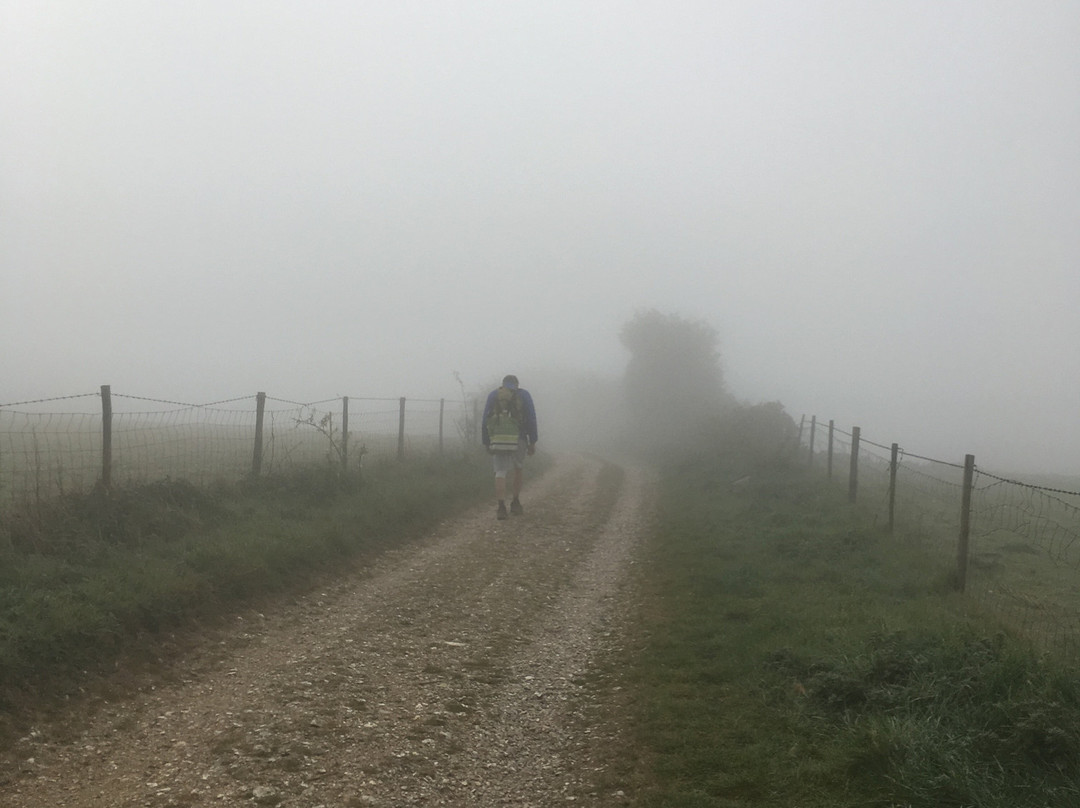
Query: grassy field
<point>88,579</point>
<point>797,656</point>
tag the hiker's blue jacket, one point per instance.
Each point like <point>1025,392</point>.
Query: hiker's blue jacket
<point>528,409</point>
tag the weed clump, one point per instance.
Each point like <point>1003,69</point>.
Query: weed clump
<point>979,699</point>
<point>133,516</point>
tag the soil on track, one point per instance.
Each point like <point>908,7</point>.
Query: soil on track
<point>469,669</point>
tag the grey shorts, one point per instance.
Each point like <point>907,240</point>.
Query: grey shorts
<point>505,461</point>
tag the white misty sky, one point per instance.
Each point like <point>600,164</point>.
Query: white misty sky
<point>877,204</point>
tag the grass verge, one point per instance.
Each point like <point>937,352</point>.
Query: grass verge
<point>86,581</point>
<point>796,657</point>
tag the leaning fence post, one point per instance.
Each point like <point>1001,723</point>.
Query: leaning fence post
<point>813,431</point>
<point>893,465</point>
<point>401,429</point>
<point>344,433</point>
<point>965,522</point>
<point>106,437</point>
<point>257,453</point>
<point>853,475</point>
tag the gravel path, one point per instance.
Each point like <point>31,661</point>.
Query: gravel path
<point>460,671</point>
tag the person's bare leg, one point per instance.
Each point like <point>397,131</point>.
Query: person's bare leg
<point>500,494</point>
<point>515,504</point>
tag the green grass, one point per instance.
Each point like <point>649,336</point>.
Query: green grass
<point>796,657</point>
<point>86,580</point>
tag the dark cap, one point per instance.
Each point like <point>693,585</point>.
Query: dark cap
<point>510,381</point>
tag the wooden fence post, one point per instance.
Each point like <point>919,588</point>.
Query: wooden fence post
<point>893,465</point>
<point>813,431</point>
<point>401,429</point>
<point>832,428</point>
<point>257,453</point>
<point>853,475</point>
<point>442,409</point>
<point>344,433</point>
<point>106,437</point>
<point>965,523</point>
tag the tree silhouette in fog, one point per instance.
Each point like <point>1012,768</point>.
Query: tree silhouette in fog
<point>673,383</point>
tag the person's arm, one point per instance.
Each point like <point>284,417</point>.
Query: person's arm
<point>531,431</point>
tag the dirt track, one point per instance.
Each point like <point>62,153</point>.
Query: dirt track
<point>456,672</point>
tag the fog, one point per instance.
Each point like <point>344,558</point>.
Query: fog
<point>876,205</point>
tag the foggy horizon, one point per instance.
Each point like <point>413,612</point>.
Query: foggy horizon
<point>875,206</point>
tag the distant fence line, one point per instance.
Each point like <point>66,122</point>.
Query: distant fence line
<point>1013,546</point>
<point>44,453</point>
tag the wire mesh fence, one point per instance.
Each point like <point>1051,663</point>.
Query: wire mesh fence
<point>1024,558</point>
<point>1011,546</point>
<point>73,444</point>
<point>44,454</point>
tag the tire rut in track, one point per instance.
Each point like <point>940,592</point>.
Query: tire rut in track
<point>450,675</point>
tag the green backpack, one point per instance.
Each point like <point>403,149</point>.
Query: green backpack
<point>505,422</point>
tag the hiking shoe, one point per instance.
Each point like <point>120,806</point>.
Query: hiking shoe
<point>516,509</point>
<point>501,513</point>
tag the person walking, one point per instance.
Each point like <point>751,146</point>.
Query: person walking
<point>508,430</point>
